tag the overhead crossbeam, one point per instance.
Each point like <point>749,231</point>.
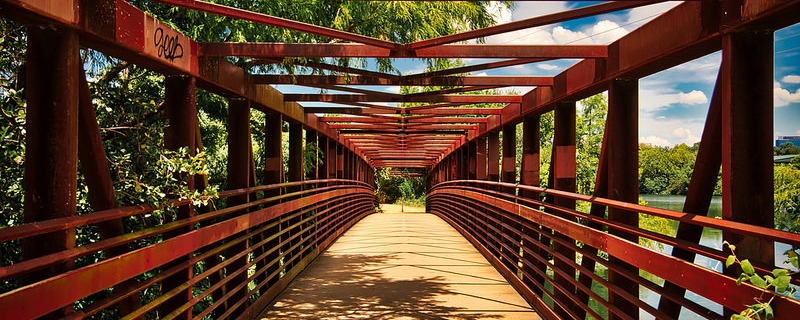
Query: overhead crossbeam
<point>357,50</point>
<point>383,98</point>
<point>317,80</point>
<point>265,19</point>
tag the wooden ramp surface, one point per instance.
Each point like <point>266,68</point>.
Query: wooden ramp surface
<point>400,266</point>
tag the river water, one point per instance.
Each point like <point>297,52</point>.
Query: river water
<point>711,238</point>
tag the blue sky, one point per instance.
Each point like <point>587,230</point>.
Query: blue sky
<point>673,103</point>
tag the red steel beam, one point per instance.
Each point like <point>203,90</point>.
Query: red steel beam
<point>318,80</point>
<point>623,176</point>
<point>357,90</point>
<point>351,110</point>
<point>459,111</point>
<point>513,51</point>
<point>261,18</point>
<point>747,132</point>
<point>355,50</point>
<point>531,23</point>
<point>51,153</point>
<point>322,66</point>
<point>468,98</point>
<point>450,91</point>
<point>476,67</point>
<point>359,119</point>
<point>299,50</point>
<point>418,128</point>
<point>181,112</point>
<point>448,120</point>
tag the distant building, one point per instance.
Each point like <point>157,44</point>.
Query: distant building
<point>795,140</point>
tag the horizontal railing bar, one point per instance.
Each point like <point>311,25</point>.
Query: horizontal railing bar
<point>559,256</point>
<point>642,258</point>
<point>703,221</point>
<point>41,227</point>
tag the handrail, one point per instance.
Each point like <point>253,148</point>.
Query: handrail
<point>524,236</point>
<point>284,234</point>
<point>51,225</point>
<point>703,221</point>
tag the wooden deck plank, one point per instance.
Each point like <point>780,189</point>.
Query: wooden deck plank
<point>400,266</point>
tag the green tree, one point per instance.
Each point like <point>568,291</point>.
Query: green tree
<point>589,128</point>
<point>787,196</point>
<point>787,148</point>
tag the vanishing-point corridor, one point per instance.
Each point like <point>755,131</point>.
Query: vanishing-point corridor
<point>401,265</point>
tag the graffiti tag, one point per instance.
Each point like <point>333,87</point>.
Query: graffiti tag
<point>168,46</point>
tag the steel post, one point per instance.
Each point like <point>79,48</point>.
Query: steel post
<point>493,156</point>
<point>181,114</point>
<point>623,177</point>
<point>747,131</point>
<point>51,144</point>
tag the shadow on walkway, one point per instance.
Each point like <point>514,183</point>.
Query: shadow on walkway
<point>400,266</point>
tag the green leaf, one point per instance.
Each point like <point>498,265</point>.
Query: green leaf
<point>781,283</point>
<point>733,248</point>
<point>768,313</point>
<point>731,259</point>
<point>747,267</point>
<point>780,272</point>
<point>758,281</point>
<point>741,278</point>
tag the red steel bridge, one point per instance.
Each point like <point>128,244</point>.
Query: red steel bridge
<point>268,231</point>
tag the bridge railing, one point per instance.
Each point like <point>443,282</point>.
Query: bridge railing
<point>570,264</point>
<point>223,262</point>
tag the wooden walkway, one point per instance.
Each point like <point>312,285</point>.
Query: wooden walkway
<point>400,266</point>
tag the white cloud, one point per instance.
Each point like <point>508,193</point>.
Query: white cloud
<point>683,135</point>
<point>480,74</point>
<point>783,97</point>
<point>607,31</point>
<point>797,132</point>
<point>548,67</point>
<point>564,35</point>
<point>791,79</point>
<point>654,98</point>
<point>693,97</point>
<point>392,89</point>
<point>655,141</point>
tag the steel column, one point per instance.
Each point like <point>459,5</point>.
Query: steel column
<point>295,173</point>
<point>332,159</point>
<point>623,176</point>
<point>471,160</point>
<point>747,124</point>
<point>493,156</point>
<point>480,158</point>
<point>295,151</point>
<point>238,177</point>
<point>340,161</point>
<point>273,174</point>
<point>273,170</point>
<point>530,176</point>
<point>563,171</point>
<point>181,114</point>
<point>51,144</point>
<point>509,155</point>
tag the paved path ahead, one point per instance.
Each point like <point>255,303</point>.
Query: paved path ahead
<point>400,266</point>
